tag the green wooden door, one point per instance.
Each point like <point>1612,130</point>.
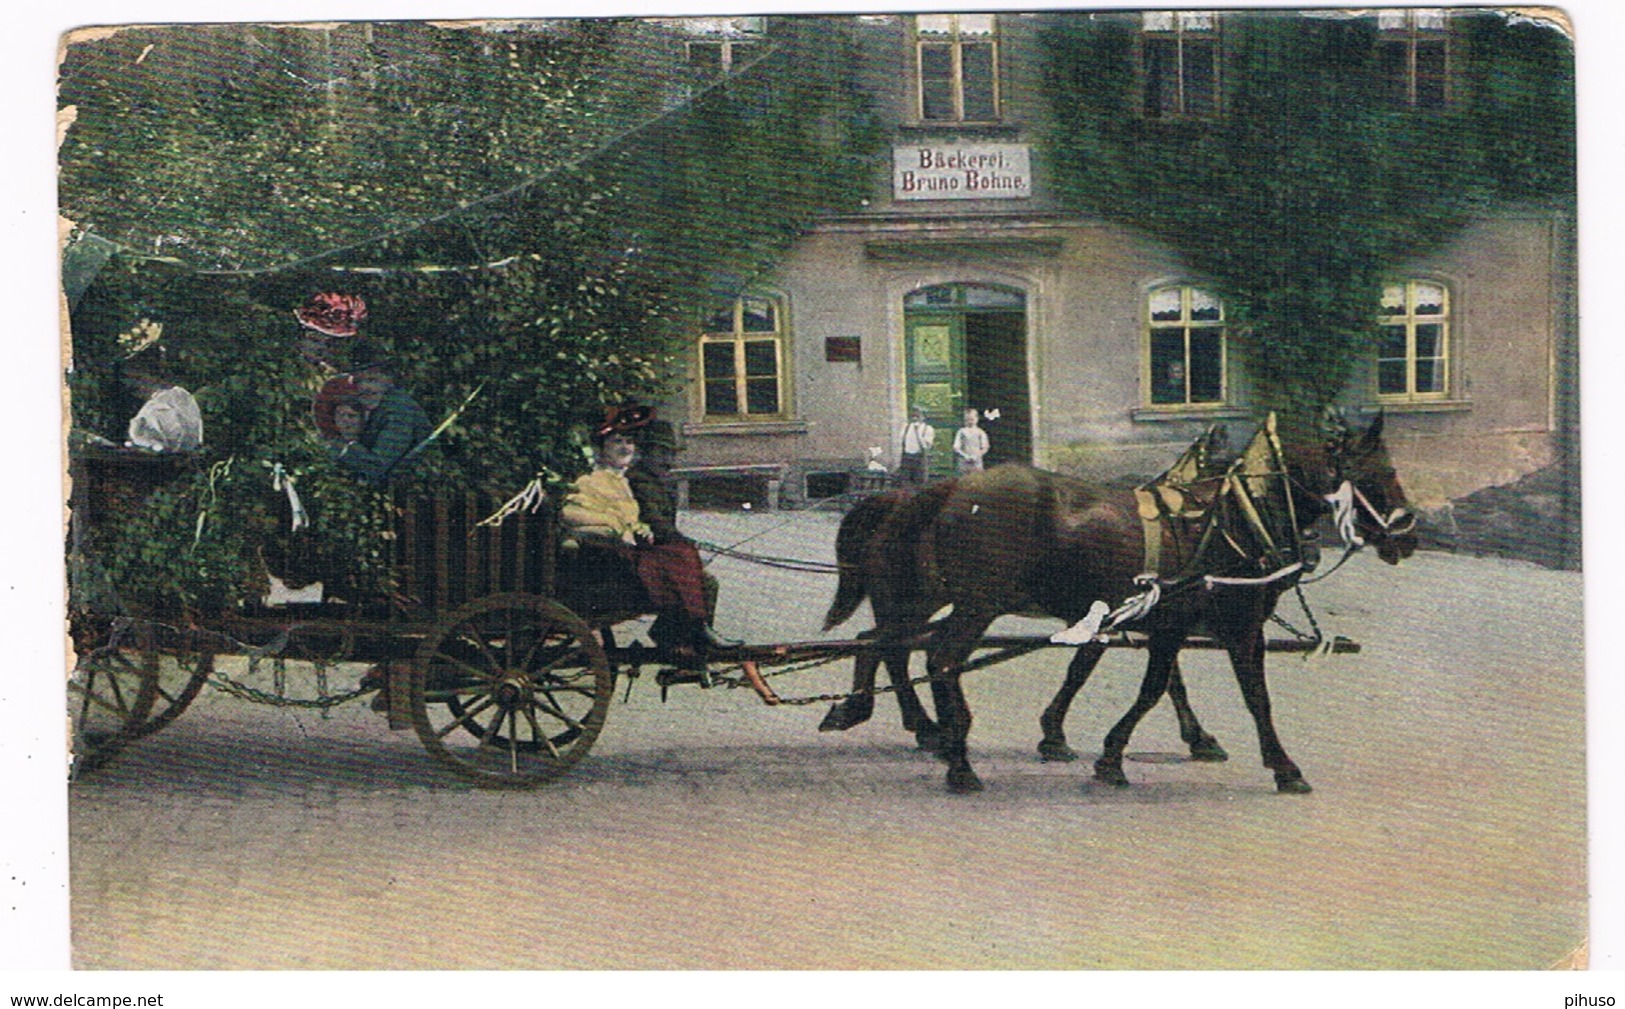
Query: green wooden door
<point>935,373</point>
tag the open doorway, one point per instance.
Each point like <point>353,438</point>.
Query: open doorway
<point>967,348</point>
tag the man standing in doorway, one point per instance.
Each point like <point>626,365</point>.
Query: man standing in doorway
<point>918,437</point>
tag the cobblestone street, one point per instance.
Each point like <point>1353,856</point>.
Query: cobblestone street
<point>1447,827</point>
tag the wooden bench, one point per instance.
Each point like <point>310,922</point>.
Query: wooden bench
<point>774,472</point>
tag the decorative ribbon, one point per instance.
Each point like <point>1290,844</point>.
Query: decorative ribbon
<point>210,494</point>
<point>1343,502</point>
<point>527,500</point>
<point>281,479</point>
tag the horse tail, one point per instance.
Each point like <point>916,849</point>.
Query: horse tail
<point>851,542</point>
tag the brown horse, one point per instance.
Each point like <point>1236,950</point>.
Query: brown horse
<point>1016,539</point>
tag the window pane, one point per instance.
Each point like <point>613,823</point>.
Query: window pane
<point>1430,74</point>
<point>705,59</point>
<point>740,54</point>
<point>936,82</point>
<point>1165,306</point>
<point>1391,20</point>
<point>1430,376</point>
<point>1157,21</point>
<point>1393,343</point>
<point>762,396</point>
<point>1204,307</point>
<point>1393,67</point>
<point>1207,366</point>
<point>1393,299</point>
<point>977,296</point>
<point>1161,76</point>
<point>930,297</point>
<point>759,316</point>
<point>934,24</point>
<point>721,320</point>
<point>1168,366</point>
<point>976,24</point>
<point>1430,340</point>
<point>720,398</point>
<point>976,60</point>
<point>1201,69</point>
<point>1429,299</point>
<point>1391,378</point>
<point>1196,21</point>
<point>1430,19</point>
<point>762,358</point>
<point>719,361</point>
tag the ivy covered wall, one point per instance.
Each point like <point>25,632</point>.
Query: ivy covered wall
<point>1309,184</point>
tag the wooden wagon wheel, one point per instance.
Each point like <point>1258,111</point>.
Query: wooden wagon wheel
<point>111,694</point>
<point>184,666</point>
<point>510,690</point>
<point>134,684</point>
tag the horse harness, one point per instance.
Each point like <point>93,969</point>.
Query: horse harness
<point>1216,524</point>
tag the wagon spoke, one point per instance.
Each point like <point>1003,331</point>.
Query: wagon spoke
<point>469,668</point>
<point>467,716</point>
<point>541,737</point>
<point>559,713</point>
<point>472,634</point>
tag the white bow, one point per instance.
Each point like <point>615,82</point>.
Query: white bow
<point>281,479</point>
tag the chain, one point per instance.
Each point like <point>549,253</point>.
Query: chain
<point>1318,635</point>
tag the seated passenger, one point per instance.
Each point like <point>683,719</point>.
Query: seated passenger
<point>395,429</point>
<point>601,508</point>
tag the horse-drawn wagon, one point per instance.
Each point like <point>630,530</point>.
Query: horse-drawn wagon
<point>502,655</point>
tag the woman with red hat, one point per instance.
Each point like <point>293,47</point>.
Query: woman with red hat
<point>601,508</point>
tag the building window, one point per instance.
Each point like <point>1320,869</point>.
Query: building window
<point>1185,347</point>
<point>720,46</point>
<point>1413,359</point>
<point>742,360</point>
<point>1413,56</point>
<point>958,62</point>
<point>1181,63</point>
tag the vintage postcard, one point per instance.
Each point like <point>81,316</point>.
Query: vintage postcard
<point>503,457</point>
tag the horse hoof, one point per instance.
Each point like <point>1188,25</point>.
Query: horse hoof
<point>1111,774</point>
<point>1207,749</point>
<point>1051,750</point>
<point>962,781</point>
<point>839,719</point>
<point>1292,784</point>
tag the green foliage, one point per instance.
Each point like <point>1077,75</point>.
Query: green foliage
<point>1311,186</point>
<point>536,219</point>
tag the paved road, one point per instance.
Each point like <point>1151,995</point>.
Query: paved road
<point>1446,830</point>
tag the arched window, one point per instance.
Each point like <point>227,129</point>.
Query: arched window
<point>742,360</point>
<point>1185,347</point>
<point>1413,359</point>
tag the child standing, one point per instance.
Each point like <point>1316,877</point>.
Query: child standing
<point>970,444</point>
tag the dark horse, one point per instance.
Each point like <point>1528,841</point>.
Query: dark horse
<point>1022,540</point>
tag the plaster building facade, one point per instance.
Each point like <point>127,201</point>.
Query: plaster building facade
<point>962,283</point>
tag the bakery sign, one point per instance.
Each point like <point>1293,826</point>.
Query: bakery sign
<point>961,172</point>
